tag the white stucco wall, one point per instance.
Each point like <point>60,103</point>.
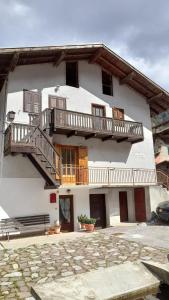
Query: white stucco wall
<point>46,78</point>
<point>21,186</point>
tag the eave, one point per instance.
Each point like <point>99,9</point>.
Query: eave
<point>156,97</point>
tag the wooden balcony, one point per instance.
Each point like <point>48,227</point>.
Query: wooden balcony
<point>89,126</point>
<point>107,176</point>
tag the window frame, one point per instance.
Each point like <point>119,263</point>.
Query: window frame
<point>32,110</point>
<point>76,85</point>
<point>57,98</point>
<point>110,85</point>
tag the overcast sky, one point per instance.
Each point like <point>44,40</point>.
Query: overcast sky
<point>138,30</point>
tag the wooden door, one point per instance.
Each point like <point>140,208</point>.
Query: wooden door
<point>98,209</point>
<point>140,207</point>
<point>123,206</point>
<point>98,111</point>
<point>66,212</point>
<point>82,165</point>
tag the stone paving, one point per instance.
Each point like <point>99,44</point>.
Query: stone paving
<point>23,267</point>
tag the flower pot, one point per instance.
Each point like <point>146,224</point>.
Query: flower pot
<point>83,226</point>
<point>89,227</point>
<point>57,229</point>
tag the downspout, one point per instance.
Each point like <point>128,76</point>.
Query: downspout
<point>2,124</point>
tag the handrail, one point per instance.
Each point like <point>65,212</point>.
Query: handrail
<point>99,117</point>
<point>107,175</point>
<point>163,178</point>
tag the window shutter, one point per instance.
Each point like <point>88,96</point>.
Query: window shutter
<point>57,102</point>
<point>118,113</point>
<point>32,102</point>
<point>83,165</point>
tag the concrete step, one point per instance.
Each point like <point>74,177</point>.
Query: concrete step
<point>127,281</point>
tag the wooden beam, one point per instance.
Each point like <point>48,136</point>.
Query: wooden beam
<point>158,108</point>
<point>71,133</point>
<point>14,62</point>
<point>154,98</point>
<point>127,78</point>
<point>89,136</point>
<point>136,141</point>
<point>59,58</point>
<point>111,67</point>
<point>96,55</point>
<point>109,137</point>
<point>122,139</point>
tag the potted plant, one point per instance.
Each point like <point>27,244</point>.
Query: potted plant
<point>90,222</point>
<point>57,226</point>
<point>82,221</point>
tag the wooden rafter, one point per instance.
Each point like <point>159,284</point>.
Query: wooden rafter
<point>127,78</point>
<point>155,97</point>
<point>14,62</point>
<point>59,58</point>
<point>95,56</point>
<point>158,108</point>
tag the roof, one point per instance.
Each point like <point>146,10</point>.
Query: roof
<point>157,97</point>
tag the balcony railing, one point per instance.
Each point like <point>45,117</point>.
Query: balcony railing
<point>107,176</point>
<point>76,123</point>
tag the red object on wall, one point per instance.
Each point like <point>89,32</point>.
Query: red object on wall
<point>53,198</point>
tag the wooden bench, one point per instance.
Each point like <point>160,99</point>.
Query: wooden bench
<point>24,225</point>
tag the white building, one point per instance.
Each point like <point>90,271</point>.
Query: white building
<point>93,111</point>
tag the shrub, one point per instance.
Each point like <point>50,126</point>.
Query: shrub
<point>82,219</point>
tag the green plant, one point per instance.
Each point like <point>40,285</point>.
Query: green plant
<point>91,221</point>
<point>82,219</point>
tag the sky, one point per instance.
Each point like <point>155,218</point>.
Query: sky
<point>137,30</point>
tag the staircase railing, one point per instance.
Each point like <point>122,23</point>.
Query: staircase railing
<point>23,135</point>
<point>163,179</point>
<point>46,148</point>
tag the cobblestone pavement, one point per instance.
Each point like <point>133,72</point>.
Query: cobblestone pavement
<point>21,268</point>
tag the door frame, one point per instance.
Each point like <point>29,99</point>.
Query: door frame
<point>120,206</point>
<point>72,211</point>
<point>136,207</point>
<point>104,212</point>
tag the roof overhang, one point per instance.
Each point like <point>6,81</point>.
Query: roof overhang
<point>157,97</point>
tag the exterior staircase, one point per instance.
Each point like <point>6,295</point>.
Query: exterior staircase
<point>33,142</point>
<point>163,179</point>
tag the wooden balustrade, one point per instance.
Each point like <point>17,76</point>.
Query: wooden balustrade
<point>84,124</point>
<point>106,176</point>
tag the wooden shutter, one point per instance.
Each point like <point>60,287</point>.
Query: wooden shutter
<point>31,102</point>
<point>83,165</point>
<point>57,102</point>
<point>118,113</point>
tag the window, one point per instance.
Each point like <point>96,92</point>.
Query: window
<point>118,113</point>
<point>57,102</point>
<point>107,84</point>
<point>69,157</point>
<point>99,111</point>
<point>72,74</point>
<point>31,102</point>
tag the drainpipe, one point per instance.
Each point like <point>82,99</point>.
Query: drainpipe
<point>2,123</point>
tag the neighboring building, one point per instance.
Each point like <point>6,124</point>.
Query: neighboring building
<point>94,147</point>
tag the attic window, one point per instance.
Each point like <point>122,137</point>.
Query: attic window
<point>31,102</point>
<point>107,83</point>
<point>72,74</point>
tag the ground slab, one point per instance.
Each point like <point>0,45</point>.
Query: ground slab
<point>23,267</point>
<point>127,281</point>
